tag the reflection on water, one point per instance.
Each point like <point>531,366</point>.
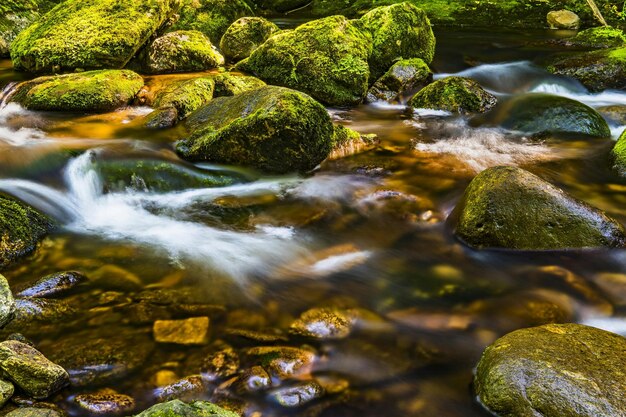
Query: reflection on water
<point>367,233</point>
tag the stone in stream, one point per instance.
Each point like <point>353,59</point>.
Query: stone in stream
<point>188,388</point>
<point>507,207</point>
<point>228,84</point>
<point>106,401</point>
<point>89,34</point>
<point>21,229</point>
<point>35,412</point>
<point>244,36</point>
<point>221,363</point>
<point>6,391</point>
<point>7,303</point>
<point>211,17</point>
<point>253,379</point>
<point>554,370</point>
<point>618,154</point>
<point>546,114</point>
<point>271,128</point>
<point>324,323</point>
<point>185,96</point>
<point>53,285</point>
<point>192,331</point>
<point>91,91</point>
<point>563,19</point>
<point>281,6</point>
<point>297,395</point>
<point>282,362</point>
<point>161,118</point>
<point>598,37</point>
<point>40,310</point>
<point>177,408</point>
<point>348,142</point>
<point>404,78</point>
<point>31,371</point>
<point>116,278</point>
<point>454,95</point>
<point>180,51</point>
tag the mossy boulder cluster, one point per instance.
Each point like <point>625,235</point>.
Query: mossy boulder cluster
<point>335,59</point>
<point>554,370</point>
<point>244,36</point>
<point>510,208</point>
<point>454,95</point>
<point>271,128</point>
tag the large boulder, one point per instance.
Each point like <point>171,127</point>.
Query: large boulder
<point>177,408</point>
<point>455,95</point>
<point>244,36</point>
<point>271,128</point>
<point>92,91</point>
<point>596,70</point>
<point>21,229</point>
<point>326,58</point>
<point>89,34</point>
<point>507,207</point>
<point>554,370</point>
<point>400,31</point>
<point>180,51</point>
<point>404,78</point>
<point>211,17</point>
<point>555,115</point>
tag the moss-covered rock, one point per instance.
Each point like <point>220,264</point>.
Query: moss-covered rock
<point>35,412</point>
<point>270,128</point>
<point>17,15</point>
<point>30,370</point>
<point>348,142</point>
<point>619,155</point>
<point>186,96</point>
<point>281,6</point>
<point>403,79</point>
<point>598,37</point>
<point>177,408</point>
<point>455,95</point>
<point>554,370</point>
<point>180,51</point>
<point>105,402</point>
<point>92,91</point>
<point>21,229</point>
<point>54,285</point>
<point>7,302</point>
<point>400,31</point>
<point>507,207</point>
<point>6,391</point>
<point>326,58</point>
<point>563,19</point>
<point>596,70</point>
<point>555,115</point>
<point>211,17</point>
<point>89,34</point>
<point>227,84</point>
<point>244,36</point>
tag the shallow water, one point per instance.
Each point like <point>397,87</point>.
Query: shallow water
<point>367,231</point>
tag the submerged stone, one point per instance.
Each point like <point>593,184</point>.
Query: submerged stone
<point>105,402</point>
<point>403,79</point>
<point>254,379</point>
<point>244,36</point>
<point>283,362</point>
<point>271,128</point>
<point>324,323</point>
<point>89,34</point>
<point>326,58</point>
<point>221,363</point>
<point>554,370</point>
<point>187,388</point>
<point>6,391</point>
<point>58,283</point>
<point>31,371</point>
<point>596,70</point>
<point>28,310</point>
<point>507,207</point>
<point>92,91</point>
<point>297,395</point>
<point>455,95</point>
<point>180,51</point>
<point>192,331</point>
<point>563,19</point>
<point>177,408</point>
<point>542,114</point>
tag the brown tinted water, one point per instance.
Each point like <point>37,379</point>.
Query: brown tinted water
<point>367,232</point>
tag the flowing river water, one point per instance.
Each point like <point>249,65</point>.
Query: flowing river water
<point>367,232</point>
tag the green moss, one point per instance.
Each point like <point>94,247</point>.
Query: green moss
<point>89,34</point>
<point>555,370</point>
<point>507,207</point>
<point>244,36</point>
<point>97,91</point>
<point>227,84</point>
<point>400,31</point>
<point>454,94</point>
<point>271,128</point>
<point>282,6</point>
<point>181,51</point>
<point>177,408</point>
<point>596,70</point>
<point>211,17</point>
<point>325,58</point>
<point>21,228</point>
<point>403,79</point>
<point>343,136</point>
<point>186,96</point>
<point>619,155</point>
<point>599,37</point>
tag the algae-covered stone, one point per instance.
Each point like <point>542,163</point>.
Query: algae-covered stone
<point>6,391</point>
<point>283,362</point>
<point>598,37</point>
<point>30,370</point>
<point>7,303</point>
<point>619,155</point>
<point>228,84</point>
<point>29,310</point>
<point>180,51</point>
<point>297,395</point>
<point>404,78</point>
<point>281,6</point>
<point>507,207</point>
<point>92,91</point>
<point>348,142</point>
<point>563,19</point>
<point>554,370</point>
<point>324,323</point>
<point>17,15</point>
<point>326,58</point>
<point>55,284</point>
<point>186,96</point>
<point>35,412</point>
<point>21,229</point>
<point>455,95</point>
<point>211,17</point>
<point>550,114</point>
<point>89,34</point>
<point>244,36</point>
<point>270,128</point>
<point>105,402</point>
<point>596,70</point>
<point>192,331</point>
<point>399,31</point>
<point>177,408</point>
